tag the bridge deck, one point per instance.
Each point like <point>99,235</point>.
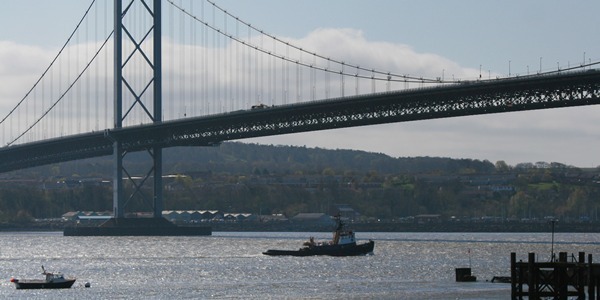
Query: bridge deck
<point>467,98</point>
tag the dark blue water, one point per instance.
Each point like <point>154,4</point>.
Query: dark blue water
<point>230,265</point>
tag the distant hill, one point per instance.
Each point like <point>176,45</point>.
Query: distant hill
<point>243,158</point>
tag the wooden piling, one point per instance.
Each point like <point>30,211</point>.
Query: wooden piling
<point>514,284</point>
<point>591,283</point>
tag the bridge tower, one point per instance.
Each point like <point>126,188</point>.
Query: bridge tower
<point>124,89</point>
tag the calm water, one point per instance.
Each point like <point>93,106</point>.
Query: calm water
<point>230,265</point>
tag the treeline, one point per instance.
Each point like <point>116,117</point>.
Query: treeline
<point>260,179</point>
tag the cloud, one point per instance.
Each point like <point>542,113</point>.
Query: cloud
<point>20,65</point>
<point>351,46</point>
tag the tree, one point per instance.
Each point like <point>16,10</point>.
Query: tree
<point>502,167</point>
<point>521,205</point>
<point>328,171</point>
<point>577,203</point>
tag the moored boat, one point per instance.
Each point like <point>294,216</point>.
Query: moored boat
<point>52,281</point>
<point>342,244</point>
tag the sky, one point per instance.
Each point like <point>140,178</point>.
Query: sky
<point>496,37</point>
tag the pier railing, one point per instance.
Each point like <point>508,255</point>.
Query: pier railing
<point>556,279</point>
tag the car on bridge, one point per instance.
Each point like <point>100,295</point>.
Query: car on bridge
<point>260,106</point>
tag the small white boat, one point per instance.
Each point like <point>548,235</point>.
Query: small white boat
<point>52,281</point>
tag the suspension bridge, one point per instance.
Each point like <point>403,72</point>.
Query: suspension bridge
<point>141,76</point>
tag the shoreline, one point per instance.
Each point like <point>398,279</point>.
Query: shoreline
<point>411,227</point>
<point>359,227</point>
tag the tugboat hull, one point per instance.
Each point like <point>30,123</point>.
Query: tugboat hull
<point>329,250</point>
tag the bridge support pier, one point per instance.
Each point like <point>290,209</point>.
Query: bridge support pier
<point>120,225</point>
<point>157,202</point>
<point>118,209</point>
<point>137,98</point>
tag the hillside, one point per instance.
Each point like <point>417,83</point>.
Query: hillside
<point>241,158</point>
<point>265,179</point>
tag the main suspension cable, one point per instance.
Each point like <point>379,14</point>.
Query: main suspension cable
<point>388,75</point>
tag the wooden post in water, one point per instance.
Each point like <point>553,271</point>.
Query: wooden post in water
<point>531,277</point>
<point>560,272</point>
<point>513,276</point>
<point>581,278</point>
<point>591,278</point>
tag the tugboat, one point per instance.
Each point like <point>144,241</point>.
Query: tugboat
<point>52,281</point>
<point>343,244</point>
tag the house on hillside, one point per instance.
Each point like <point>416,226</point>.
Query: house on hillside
<point>239,217</point>
<point>193,216</point>
<point>79,215</point>
<point>87,217</point>
<point>273,218</point>
<point>72,215</point>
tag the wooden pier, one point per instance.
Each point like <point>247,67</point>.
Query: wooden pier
<point>558,279</point>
